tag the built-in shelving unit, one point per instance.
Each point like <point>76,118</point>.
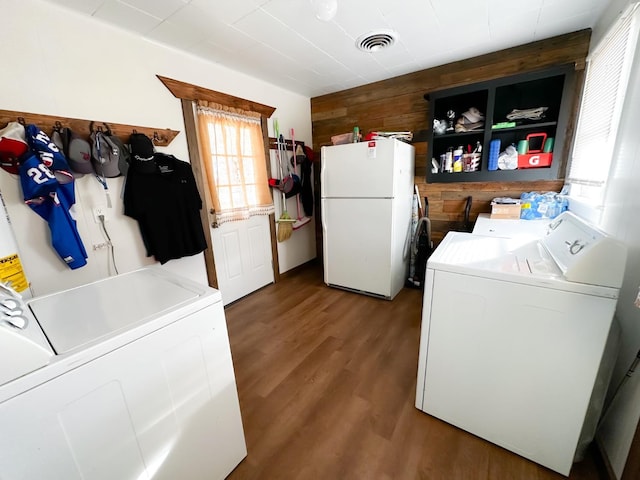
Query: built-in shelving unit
<point>495,99</point>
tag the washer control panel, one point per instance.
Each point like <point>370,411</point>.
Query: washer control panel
<point>584,253</point>
<point>23,346</point>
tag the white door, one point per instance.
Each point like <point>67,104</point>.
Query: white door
<point>242,255</point>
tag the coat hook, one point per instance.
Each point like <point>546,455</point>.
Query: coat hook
<point>57,126</point>
<point>21,121</point>
<point>108,129</point>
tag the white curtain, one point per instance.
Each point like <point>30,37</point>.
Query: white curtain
<point>232,149</point>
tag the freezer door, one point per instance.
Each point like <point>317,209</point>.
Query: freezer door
<point>358,170</point>
<point>357,244</point>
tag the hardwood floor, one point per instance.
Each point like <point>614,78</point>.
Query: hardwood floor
<point>326,380</point>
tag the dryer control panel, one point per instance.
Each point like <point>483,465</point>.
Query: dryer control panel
<point>584,253</point>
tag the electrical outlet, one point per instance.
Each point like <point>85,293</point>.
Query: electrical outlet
<point>100,211</point>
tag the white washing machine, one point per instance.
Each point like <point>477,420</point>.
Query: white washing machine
<point>130,377</point>
<point>513,336</point>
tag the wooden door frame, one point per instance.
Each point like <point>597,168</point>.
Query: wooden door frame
<point>188,95</point>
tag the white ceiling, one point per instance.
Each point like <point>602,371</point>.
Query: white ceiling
<point>282,42</point>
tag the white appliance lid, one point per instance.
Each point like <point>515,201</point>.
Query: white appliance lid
<point>78,316</point>
<point>506,259</point>
<point>496,254</point>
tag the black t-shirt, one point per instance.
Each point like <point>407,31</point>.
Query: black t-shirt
<point>166,204</point>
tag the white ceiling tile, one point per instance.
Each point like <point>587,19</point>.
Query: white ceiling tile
<point>552,28</point>
<point>269,60</point>
<point>410,9</point>
<point>126,17</point>
<point>157,8</point>
<point>328,67</point>
<point>421,22</point>
<point>232,37</point>
<point>195,19</point>
<point>560,10</point>
<point>403,69</point>
<point>356,21</point>
<point>175,36</point>
<point>517,28</point>
<point>461,16</point>
<point>210,51</point>
<point>506,33</point>
<point>213,31</point>
<point>290,11</point>
<point>424,44</point>
<point>266,29</point>
<point>509,8</point>
<point>82,6</point>
<point>226,11</point>
<point>299,17</point>
<point>392,56</point>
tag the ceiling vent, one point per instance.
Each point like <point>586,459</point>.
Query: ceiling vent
<point>376,41</point>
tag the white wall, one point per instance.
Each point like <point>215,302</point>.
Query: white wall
<point>57,62</point>
<point>620,218</point>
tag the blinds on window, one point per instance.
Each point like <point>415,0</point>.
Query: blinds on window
<point>606,79</point>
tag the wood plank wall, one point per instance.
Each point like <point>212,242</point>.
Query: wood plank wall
<point>398,104</point>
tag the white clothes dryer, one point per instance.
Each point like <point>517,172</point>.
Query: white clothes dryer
<point>513,336</point>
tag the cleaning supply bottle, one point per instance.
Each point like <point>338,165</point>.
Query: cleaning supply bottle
<point>448,164</point>
<point>457,159</point>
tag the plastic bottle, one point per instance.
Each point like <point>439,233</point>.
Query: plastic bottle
<point>356,134</point>
<point>457,159</point>
<point>448,164</point>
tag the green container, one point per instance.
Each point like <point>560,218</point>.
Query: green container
<point>523,147</point>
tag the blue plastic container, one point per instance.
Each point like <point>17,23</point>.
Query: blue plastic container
<point>494,151</point>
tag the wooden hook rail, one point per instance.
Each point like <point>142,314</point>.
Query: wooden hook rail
<point>161,137</point>
<point>273,144</point>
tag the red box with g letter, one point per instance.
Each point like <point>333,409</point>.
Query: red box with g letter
<point>535,157</point>
<point>535,160</point>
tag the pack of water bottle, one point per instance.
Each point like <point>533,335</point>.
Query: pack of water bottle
<point>536,205</point>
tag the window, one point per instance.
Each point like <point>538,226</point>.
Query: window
<point>233,153</point>
<point>606,80</point>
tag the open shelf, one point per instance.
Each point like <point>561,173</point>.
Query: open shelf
<point>548,90</point>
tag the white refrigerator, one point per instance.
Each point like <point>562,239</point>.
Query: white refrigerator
<point>366,196</point>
